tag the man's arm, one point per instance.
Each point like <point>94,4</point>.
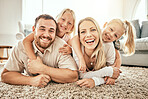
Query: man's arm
<point>17,78</point>
<point>60,75</point>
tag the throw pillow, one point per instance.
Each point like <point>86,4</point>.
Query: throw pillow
<point>136,24</point>
<point>144,29</point>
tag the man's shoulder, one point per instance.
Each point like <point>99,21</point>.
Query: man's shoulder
<point>59,42</point>
<point>19,46</point>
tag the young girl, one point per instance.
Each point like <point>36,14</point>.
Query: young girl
<point>66,25</point>
<point>96,54</point>
<point>112,32</point>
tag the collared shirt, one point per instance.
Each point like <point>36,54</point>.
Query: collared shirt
<point>51,57</point>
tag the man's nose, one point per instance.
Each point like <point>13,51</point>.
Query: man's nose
<point>46,33</point>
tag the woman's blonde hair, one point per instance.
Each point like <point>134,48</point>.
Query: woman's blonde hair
<point>74,19</point>
<point>99,51</point>
<point>129,37</point>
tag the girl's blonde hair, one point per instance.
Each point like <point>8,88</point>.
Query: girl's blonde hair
<point>129,37</point>
<point>99,51</point>
<point>74,18</point>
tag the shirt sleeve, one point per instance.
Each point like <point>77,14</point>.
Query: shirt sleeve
<point>98,81</point>
<point>66,61</point>
<point>106,71</point>
<point>109,53</point>
<point>14,63</point>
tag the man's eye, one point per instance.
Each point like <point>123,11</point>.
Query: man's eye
<point>42,29</point>
<point>93,29</point>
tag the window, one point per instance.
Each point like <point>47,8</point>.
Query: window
<point>100,10</point>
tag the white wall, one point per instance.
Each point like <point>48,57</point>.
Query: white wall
<point>10,14</point>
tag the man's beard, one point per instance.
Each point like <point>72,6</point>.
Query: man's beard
<point>44,46</point>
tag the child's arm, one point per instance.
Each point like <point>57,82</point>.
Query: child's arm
<point>76,46</point>
<point>27,42</point>
<point>117,62</point>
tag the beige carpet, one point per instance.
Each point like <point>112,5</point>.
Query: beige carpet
<point>132,83</point>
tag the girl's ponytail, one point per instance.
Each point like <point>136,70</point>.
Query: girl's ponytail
<point>129,45</point>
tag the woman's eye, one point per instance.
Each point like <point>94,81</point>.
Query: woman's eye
<point>93,29</point>
<point>82,31</point>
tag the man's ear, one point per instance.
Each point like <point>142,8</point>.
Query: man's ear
<point>33,28</point>
<point>105,24</point>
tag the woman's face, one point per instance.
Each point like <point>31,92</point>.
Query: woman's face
<point>66,22</point>
<point>89,35</point>
<point>113,31</point>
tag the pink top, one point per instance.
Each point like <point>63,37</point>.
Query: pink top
<point>66,37</point>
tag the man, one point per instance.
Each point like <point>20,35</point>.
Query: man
<point>55,66</point>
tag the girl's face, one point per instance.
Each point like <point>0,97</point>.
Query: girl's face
<point>66,22</point>
<point>89,35</point>
<point>113,31</point>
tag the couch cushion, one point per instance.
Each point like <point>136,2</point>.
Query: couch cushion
<point>142,43</point>
<point>136,24</point>
<point>144,29</point>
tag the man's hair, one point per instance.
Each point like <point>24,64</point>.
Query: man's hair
<point>46,17</point>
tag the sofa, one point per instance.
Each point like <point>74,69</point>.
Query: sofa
<point>140,58</point>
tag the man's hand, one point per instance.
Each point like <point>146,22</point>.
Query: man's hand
<point>116,73</point>
<point>109,81</point>
<point>35,66</point>
<point>40,80</point>
<point>65,50</point>
<point>89,83</point>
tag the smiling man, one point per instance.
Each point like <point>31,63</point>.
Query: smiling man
<point>49,65</point>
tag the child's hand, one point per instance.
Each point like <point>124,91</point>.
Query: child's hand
<point>65,50</point>
<point>109,81</point>
<point>82,66</point>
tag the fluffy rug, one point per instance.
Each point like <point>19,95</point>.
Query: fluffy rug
<point>132,83</point>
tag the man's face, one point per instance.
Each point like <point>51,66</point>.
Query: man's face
<point>45,32</point>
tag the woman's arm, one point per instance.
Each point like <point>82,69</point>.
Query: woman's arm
<point>27,42</point>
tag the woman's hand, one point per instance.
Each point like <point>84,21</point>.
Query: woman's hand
<point>65,50</point>
<point>88,82</point>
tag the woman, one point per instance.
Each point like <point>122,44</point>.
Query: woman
<point>95,56</point>
<point>66,25</point>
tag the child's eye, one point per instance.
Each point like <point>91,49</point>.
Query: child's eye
<point>63,19</point>
<point>116,35</point>
<point>69,23</point>
<point>111,29</point>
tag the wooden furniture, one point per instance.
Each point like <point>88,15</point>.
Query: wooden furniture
<point>7,54</point>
